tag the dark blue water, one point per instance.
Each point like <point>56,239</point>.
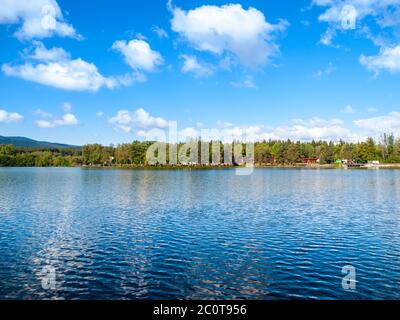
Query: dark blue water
<point>278,234</point>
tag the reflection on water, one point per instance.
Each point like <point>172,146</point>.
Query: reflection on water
<point>199,234</point>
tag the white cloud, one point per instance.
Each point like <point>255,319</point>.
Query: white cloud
<point>143,124</point>
<point>348,109</point>
<point>192,65</point>
<point>139,119</point>
<point>37,18</point>
<point>388,59</point>
<point>314,129</point>
<point>298,129</point>
<point>247,82</point>
<point>10,117</point>
<point>67,120</point>
<point>139,55</point>
<point>56,69</point>
<point>383,124</point>
<point>229,29</point>
<point>304,130</point>
<point>75,75</point>
<point>44,124</point>
<point>41,53</point>
<point>99,114</point>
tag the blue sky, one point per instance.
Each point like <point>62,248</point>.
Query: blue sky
<point>112,71</point>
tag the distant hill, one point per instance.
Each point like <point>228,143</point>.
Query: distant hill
<point>23,142</point>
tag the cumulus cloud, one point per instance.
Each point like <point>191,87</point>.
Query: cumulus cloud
<point>383,124</point>
<point>36,18</point>
<point>139,55</point>
<point>41,53</point>
<point>192,65</point>
<point>55,68</point>
<point>388,59</point>
<point>48,121</point>
<point>68,119</point>
<point>10,117</point>
<point>138,119</point>
<point>229,29</point>
<point>297,129</point>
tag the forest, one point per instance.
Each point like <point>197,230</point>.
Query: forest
<point>277,153</point>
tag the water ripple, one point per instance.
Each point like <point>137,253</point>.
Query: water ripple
<point>278,234</point>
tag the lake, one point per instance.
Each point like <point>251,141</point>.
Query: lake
<point>120,234</point>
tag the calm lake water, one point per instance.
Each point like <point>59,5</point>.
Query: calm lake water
<point>277,234</point>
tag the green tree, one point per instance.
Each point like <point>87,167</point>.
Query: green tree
<point>292,154</point>
<point>327,153</point>
<point>277,152</point>
<point>346,152</point>
<point>366,151</point>
<point>138,153</point>
<point>307,150</point>
<point>123,154</point>
<point>92,154</point>
<point>262,153</point>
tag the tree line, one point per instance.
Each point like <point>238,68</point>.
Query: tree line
<point>272,152</point>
